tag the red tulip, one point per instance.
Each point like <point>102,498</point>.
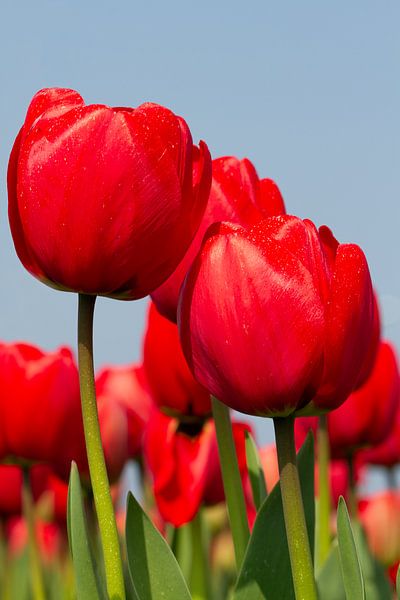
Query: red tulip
<point>278,319</point>
<point>366,418</point>
<point>380,516</point>
<point>387,453</point>
<point>40,407</point>
<point>183,462</point>
<point>392,572</point>
<point>48,538</point>
<point>171,383</point>
<point>237,195</point>
<point>104,200</point>
<point>11,487</point>
<point>124,406</point>
<point>57,492</point>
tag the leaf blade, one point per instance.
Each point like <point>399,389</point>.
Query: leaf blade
<point>154,570</point>
<point>264,573</point>
<point>256,473</point>
<point>87,587</point>
<point>349,561</point>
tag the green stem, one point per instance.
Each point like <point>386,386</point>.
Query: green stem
<point>35,567</point>
<point>323,537</point>
<point>391,478</point>
<point>352,504</point>
<point>6,566</point>
<point>232,481</point>
<point>95,454</point>
<point>199,580</point>
<point>181,546</point>
<point>293,510</point>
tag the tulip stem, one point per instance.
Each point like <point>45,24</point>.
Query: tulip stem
<point>293,511</point>
<point>391,478</point>
<point>95,454</point>
<point>35,568</point>
<point>231,479</point>
<point>199,579</point>
<point>352,504</point>
<point>323,537</point>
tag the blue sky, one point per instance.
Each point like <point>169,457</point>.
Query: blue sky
<point>309,91</point>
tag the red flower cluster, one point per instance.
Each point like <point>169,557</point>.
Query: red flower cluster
<point>275,318</point>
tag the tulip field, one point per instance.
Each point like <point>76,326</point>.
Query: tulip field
<point>251,309</point>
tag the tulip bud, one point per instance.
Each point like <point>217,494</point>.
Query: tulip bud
<point>387,453</point>
<point>367,416</point>
<point>277,319</point>
<point>237,195</point>
<point>104,200</point>
<point>40,405</point>
<point>11,487</point>
<point>172,385</point>
<point>183,461</point>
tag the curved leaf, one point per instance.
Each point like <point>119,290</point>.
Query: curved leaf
<point>265,573</point>
<point>349,562</point>
<point>87,587</point>
<point>154,570</point>
<point>256,473</point>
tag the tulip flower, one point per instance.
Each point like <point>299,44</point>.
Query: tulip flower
<point>238,196</point>
<point>182,459</point>
<point>48,538</point>
<point>11,478</point>
<point>40,405</point>
<point>392,572</point>
<point>387,453</point>
<point>380,517</point>
<point>367,416</point>
<point>171,383</point>
<point>124,406</point>
<point>104,200</point>
<point>56,493</point>
<point>277,319</point>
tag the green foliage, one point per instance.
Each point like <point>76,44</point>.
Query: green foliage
<point>265,573</point>
<point>154,570</point>
<point>256,473</point>
<point>87,585</point>
<point>349,562</point>
<point>330,582</point>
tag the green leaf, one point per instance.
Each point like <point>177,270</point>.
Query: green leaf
<point>256,473</point>
<point>87,587</point>
<point>265,573</point>
<point>330,582</point>
<point>376,583</point>
<point>349,562</point>
<point>154,570</point>
<point>181,546</point>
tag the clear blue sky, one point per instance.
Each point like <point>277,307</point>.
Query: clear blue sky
<point>309,91</point>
